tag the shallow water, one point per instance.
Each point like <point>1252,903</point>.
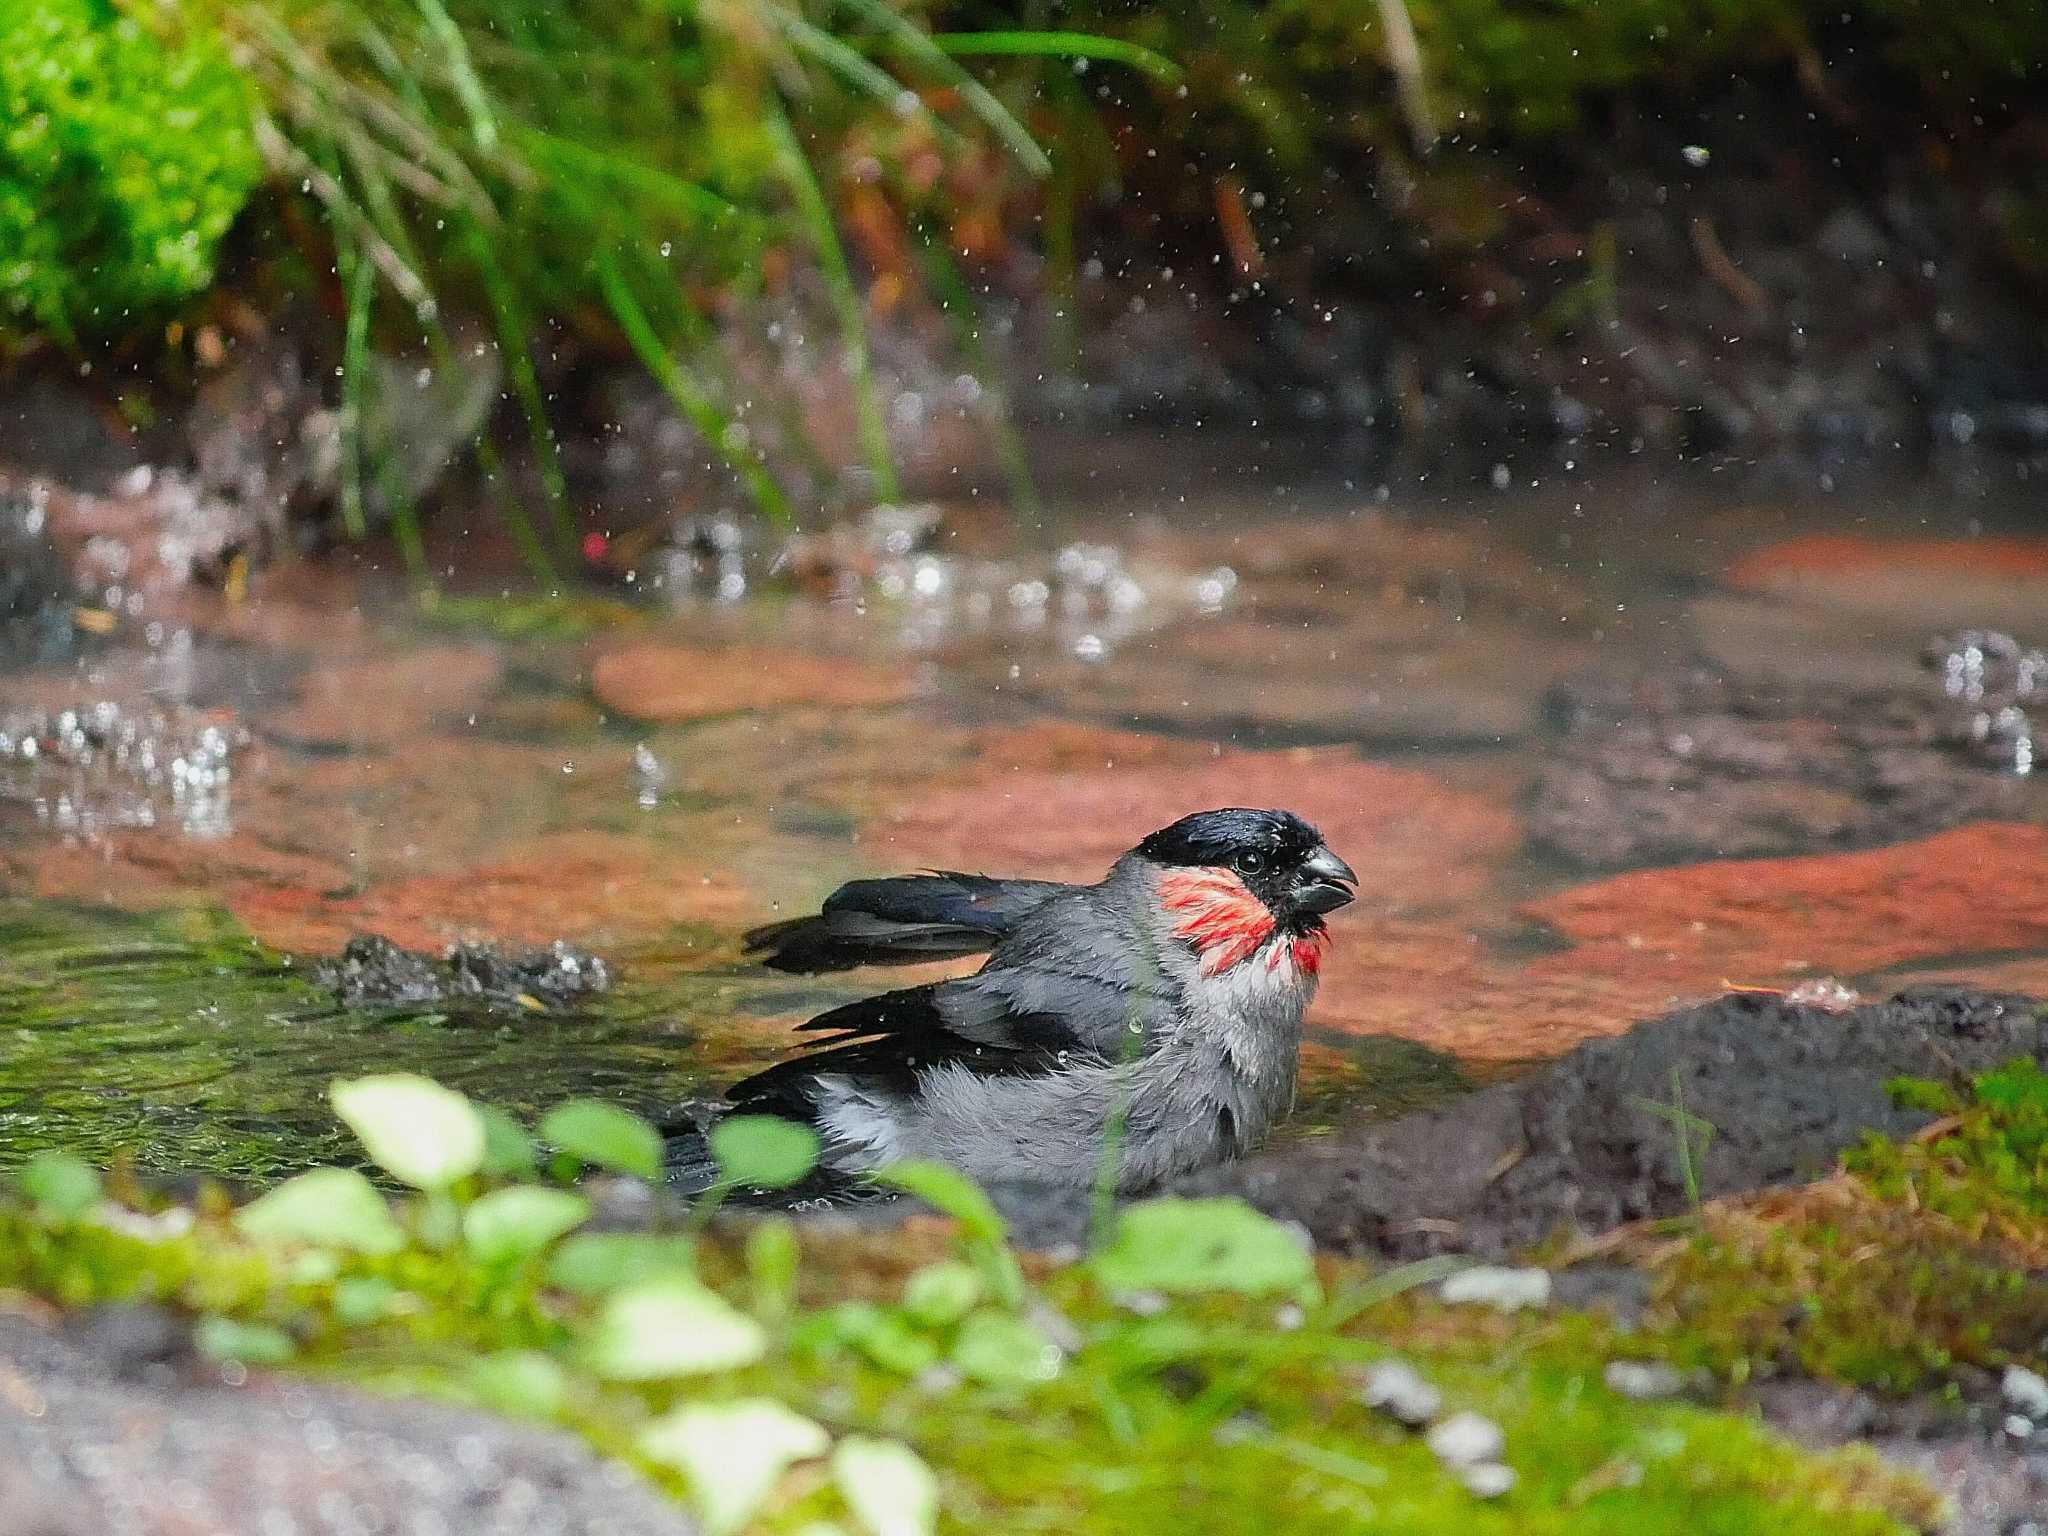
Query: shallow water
<point>220,788</point>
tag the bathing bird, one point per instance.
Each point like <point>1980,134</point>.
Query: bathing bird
<point>1153,1017</point>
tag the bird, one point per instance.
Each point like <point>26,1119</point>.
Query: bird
<point>1153,1017</point>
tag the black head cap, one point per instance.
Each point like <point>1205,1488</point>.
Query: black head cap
<point>1278,855</point>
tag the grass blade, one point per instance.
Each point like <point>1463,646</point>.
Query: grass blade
<point>943,276</point>
<point>359,279</point>
<point>689,398</point>
<point>817,218</point>
<point>1061,45</point>
<point>919,44</point>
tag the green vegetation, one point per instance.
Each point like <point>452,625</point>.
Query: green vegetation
<point>909,1381</point>
<point>124,156</point>
<point>1925,1256</point>
<point>630,175</point>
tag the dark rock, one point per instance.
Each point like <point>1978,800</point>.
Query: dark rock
<point>373,972</point>
<point>1590,1143</point>
<point>228,1450</point>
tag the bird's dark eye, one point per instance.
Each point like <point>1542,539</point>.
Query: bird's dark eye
<point>1250,862</point>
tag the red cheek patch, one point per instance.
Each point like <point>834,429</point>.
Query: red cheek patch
<point>1214,911</point>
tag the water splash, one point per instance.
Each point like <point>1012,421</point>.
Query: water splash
<point>98,767</point>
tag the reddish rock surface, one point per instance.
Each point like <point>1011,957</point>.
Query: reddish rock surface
<point>1838,557</point>
<point>387,699</point>
<point>667,683</point>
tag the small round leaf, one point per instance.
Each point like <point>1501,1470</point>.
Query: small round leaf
<point>511,1224</point>
<point>415,1130</point>
<point>592,1263</point>
<point>62,1185</point>
<point>887,1486</point>
<point>593,1131</point>
<point>328,1208</point>
<point>1195,1246</point>
<point>941,1294</point>
<point>1000,1349</point>
<point>670,1327</point>
<point>764,1151</point>
<point>733,1454</point>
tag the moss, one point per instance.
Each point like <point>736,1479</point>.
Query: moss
<point>124,156</point>
<point>1923,1257</point>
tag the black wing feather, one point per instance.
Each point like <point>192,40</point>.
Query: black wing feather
<point>894,1037</point>
<point>902,920</point>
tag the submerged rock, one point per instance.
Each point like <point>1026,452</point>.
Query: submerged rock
<point>373,972</point>
<point>1700,764</point>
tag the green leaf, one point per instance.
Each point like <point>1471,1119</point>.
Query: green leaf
<point>887,1486</point>
<point>884,1336</point>
<point>1196,1246</point>
<point>1000,1349</point>
<point>950,1192</point>
<point>764,1151</point>
<point>508,1225</point>
<point>63,1186</point>
<point>415,1130</point>
<point>363,1299</point>
<point>222,1338</point>
<point>508,1150</point>
<point>593,1131</point>
<point>670,1327</point>
<point>772,1258</point>
<point>523,1382</point>
<point>329,1208</point>
<point>939,1295</point>
<point>592,1263</point>
<point>733,1454</point>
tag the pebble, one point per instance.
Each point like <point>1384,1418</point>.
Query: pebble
<point>1466,1440</point>
<point>1644,1380</point>
<point>1398,1390</point>
<point>1487,1479</point>
<point>1504,1290</point>
<point>2025,1392</point>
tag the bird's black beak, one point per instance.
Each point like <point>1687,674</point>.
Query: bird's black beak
<point>1323,884</point>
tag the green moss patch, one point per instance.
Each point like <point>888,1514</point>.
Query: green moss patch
<point>1922,1257</point>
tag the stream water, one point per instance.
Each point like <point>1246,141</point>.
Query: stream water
<point>216,795</point>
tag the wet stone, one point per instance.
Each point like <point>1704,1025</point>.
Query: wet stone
<point>373,972</point>
<point>1701,763</point>
<point>1502,1289</point>
<point>1398,1390</point>
<point>235,1450</point>
<point>1466,1439</point>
